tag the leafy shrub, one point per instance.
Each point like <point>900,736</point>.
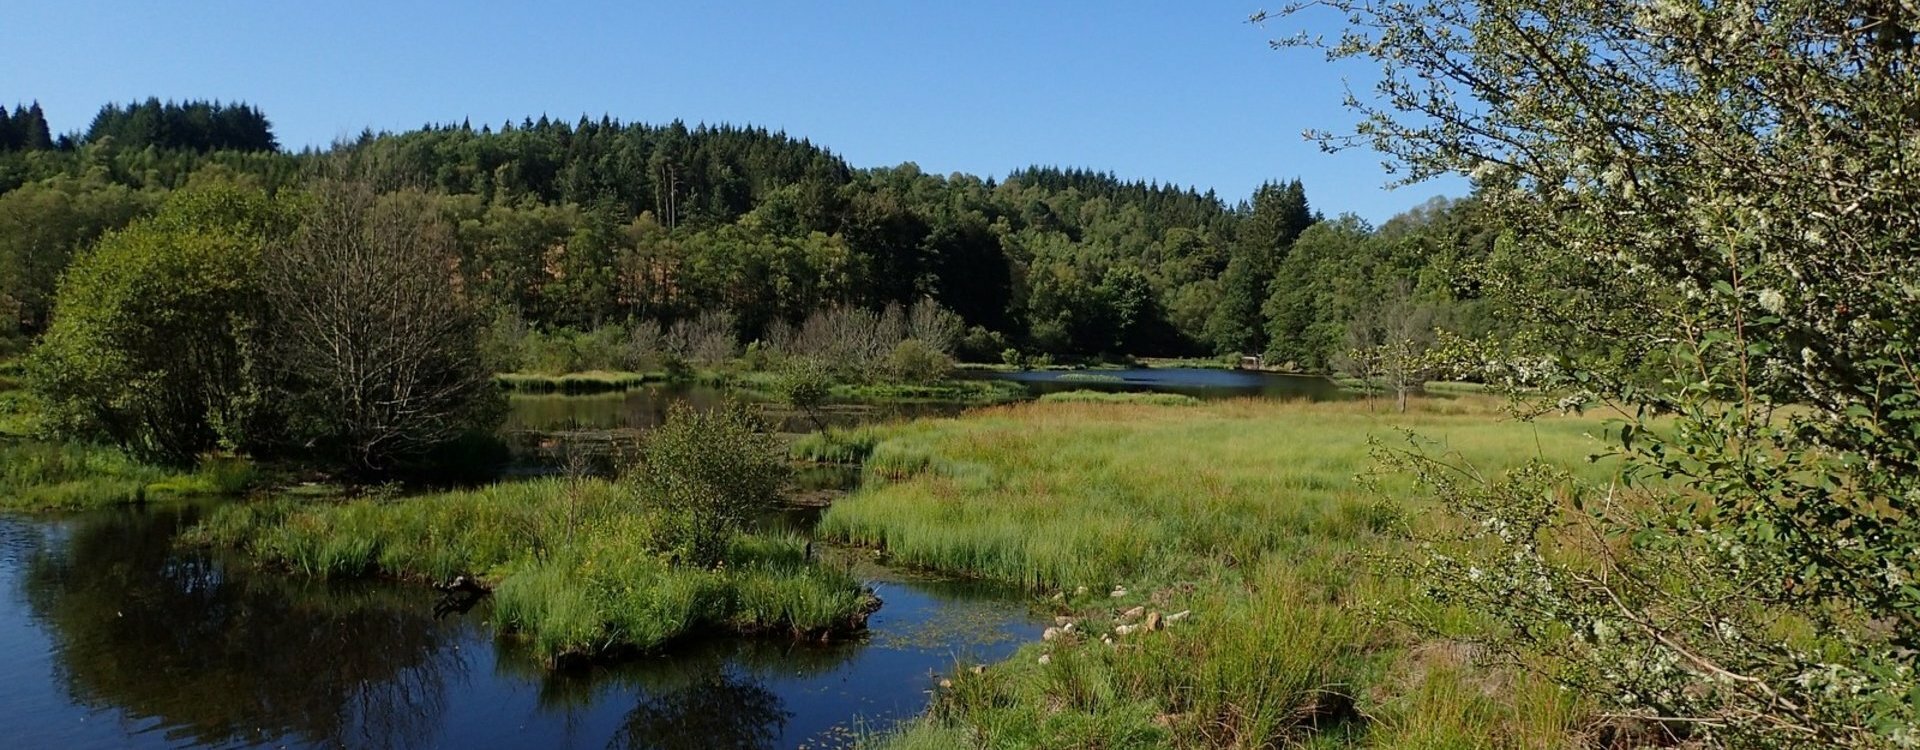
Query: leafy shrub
<point>981,345</point>
<point>915,361</point>
<point>805,384</point>
<point>710,473</point>
<point>111,365</point>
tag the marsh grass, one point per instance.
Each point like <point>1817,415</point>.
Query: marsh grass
<point>38,476</point>
<point>1261,518</point>
<point>597,381</point>
<point>577,565</point>
<point>1105,397</point>
<point>834,445</point>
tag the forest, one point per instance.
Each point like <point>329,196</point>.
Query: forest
<point>567,227</point>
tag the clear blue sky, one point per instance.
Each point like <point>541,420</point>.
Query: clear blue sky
<point>1179,91</point>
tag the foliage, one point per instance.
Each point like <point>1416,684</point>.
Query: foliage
<point>581,225</point>
<point>194,125</point>
<point>710,474</point>
<point>916,361</point>
<point>1706,216</point>
<point>156,340</point>
<point>577,565</point>
<point>805,384</point>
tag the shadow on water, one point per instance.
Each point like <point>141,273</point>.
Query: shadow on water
<point>117,637</point>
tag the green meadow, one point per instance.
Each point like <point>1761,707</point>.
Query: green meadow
<point>1246,532</point>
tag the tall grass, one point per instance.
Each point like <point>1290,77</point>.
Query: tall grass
<point>1257,517</point>
<point>1107,397</point>
<point>577,565</point>
<point>594,381</point>
<point>73,476</point>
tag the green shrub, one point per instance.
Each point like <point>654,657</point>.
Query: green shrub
<point>916,361</point>
<point>711,473</point>
<point>805,384</point>
<point>112,365</point>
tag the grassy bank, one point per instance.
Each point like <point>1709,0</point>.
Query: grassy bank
<point>37,475</point>
<point>40,476</point>
<point>575,564</point>
<point>599,381</point>
<point>1247,517</point>
<point>1107,397</point>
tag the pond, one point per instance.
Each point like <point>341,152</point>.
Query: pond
<point>114,636</point>
<point>1197,382</point>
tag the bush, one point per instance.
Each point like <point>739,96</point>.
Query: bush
<point>982,345</point>
<point>710,473</point>
<point>915,361</point>
<point>805,384</point>
<point>113,365</point>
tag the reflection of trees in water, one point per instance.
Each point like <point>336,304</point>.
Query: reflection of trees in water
<point>217,658</point>
<point>722,711</point>
<point>704,694</point>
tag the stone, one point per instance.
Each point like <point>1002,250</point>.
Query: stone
<point>1050,634</point>
<point>1063,621</point>
<point>1046,659</point>
<point>1178,616</point>
<point>1118,591</point>
<point>1155,621</point>
<point>979,669</point>
<point>946,684</point>
<point>1133,614</point>
<point>1125,629</point>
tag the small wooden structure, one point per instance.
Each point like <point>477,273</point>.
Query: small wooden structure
<point>1252,362</point>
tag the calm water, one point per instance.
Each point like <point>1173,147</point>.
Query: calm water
<point>114,637</point>
<point>1196,382</point>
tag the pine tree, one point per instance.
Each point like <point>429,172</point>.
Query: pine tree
<point>34,135</point>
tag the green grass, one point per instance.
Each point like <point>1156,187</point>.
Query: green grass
<point>1252,516</point>
<point>40,476</point>
<point>1090,377</point>
<point>598,381</point>
<point>576,565</point>
<point>1104,397</point>
<point>835,445</point>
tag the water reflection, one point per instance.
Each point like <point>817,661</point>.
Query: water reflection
<point>1197,382</point>
<point>120,638</point>
<point>198,656</point>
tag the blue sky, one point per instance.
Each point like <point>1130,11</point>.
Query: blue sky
<point>1184,92</point>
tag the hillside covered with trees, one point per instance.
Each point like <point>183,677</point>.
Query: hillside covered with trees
<point>576,226</point>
